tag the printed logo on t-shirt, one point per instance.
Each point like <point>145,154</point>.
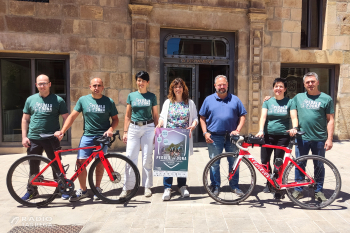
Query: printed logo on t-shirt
<point>311,104</point>
<point>141,102</point>
<point>96,108</point>
<point>42,107</point>
<point>278,109</point>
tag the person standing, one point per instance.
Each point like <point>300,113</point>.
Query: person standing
<point>274,124</point>
<point>41,115</point>
<point>140,119</point>
<point>221,115</point>
<point>315,112</point>
<point>178,112</point>
<point>97,109</point>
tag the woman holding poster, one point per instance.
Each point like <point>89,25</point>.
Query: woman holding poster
<point>178,112</point>
<point>140,118</point>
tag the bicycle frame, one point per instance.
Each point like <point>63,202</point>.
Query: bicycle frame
<point>260,167</point>
<point>57,159</point>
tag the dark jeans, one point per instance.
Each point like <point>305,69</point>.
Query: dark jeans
<point>317,148</point>
<point>168,181</point>
<point>37,147</point>
<point>277,140</point>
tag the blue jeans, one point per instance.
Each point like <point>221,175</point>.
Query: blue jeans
<point>216,148</point>
<point>317,148</point>
<point>168,181</point>
<point>86,141</point>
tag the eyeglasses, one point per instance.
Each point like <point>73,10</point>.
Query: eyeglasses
<point>42,84</point>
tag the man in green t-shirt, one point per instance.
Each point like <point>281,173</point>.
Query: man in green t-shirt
<point>97,109</point>
<point>41,115</point>
<point>316,118</point>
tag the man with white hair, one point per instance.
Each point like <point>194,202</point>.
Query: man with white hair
<point>316,118</point>
<point>221,115</point>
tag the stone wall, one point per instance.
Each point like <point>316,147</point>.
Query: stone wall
<point>96,34</point>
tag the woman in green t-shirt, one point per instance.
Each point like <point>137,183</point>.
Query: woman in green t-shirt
<point>274,124</point>
<point>140,119</point>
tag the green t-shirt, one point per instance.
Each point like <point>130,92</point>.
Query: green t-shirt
<point>96,113</point>
<point>278,117</point>
<point>44,114</point>
<point>312,114</point>
<point>141,105</point>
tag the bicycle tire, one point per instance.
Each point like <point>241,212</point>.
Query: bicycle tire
<point>331,184</point>
<point>112,190</point>
<point>247,180</point>
<point>18,177</point>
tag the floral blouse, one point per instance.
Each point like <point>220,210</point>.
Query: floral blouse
<point>178,115</point>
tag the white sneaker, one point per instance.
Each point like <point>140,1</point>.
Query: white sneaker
<point>216,191</point>
<point>184,192</point>
<point>99,190</point>
<point>124,193</point>
<point>166,194</point>
<point>148,192</point>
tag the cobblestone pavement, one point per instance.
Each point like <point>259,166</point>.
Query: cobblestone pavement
<point>199,213</point>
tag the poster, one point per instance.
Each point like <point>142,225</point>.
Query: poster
<point>171,152</point>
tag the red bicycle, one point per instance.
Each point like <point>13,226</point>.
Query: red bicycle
<point>47,178</point>
<point>305,174</point>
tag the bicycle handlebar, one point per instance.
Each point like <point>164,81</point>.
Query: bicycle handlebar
<point>237,142</point>
<point>105,141</point>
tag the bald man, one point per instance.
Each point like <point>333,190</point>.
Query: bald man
<point>97,109</point>
<point>41,116</point>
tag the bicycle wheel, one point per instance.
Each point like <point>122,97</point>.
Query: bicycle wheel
<point>126,177</point>
<point>19,176</point>
<point>322,171</point>
<point>246,181</point>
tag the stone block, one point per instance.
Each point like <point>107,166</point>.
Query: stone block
<point>121,110</point>
<point>343,18</point>
<point>331,12</point>
<point>243,53</point>
<point>3,6</point>
<point>154,48</point>
<point>48,9</point>
<point>2,23</point>
<point>296,40</point>
<point>344,71</point>
<point>292,3</point>
<point>116,14</point>
<point>77,129</point>
<point>104,76</point>
<point>291,26</point>
<point>275,68</point>
<point>75,142</point>
<point>243,38</point>
<point>29,24</point>
<point>101,29</point>
<point>22,8</point>
<point>296,14</point>
<point>105,46</point>
<point>270,12</point>
<point>342,42</point>
<point>77,27</point>
<point>286,39</point>
<point>116,81</point>
<point>270,53</point>
<point>282,13</point>
<point>91,12</point>
<point>276,39</point>
<point>70,11</point>
<point>274,3</point>
<point>109,63</point>
<point>307,56</point>
<point>345,85</point>
<point>335,57</point>
<point>267,39</point>
<point>75,94</point>
<point>266,68</point>
<point>76,79</point>
<point>114,3</point>
<point>113,94</point>
<point>345,29</point>
<point>242,68</point>
<point>274,25</point>
<point>74,44</point>
<point>342,6</point>
<point>124,64</point>
<point>346,56</point>
<point>84,62</point>
<point>333,29</point>
<point>123,95</point>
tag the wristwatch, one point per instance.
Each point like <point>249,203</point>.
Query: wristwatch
<point>204,133</point>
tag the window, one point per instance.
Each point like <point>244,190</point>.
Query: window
<point>17,83</point>
<point>196,46</point>
<point>294,76</point>
<point>312,24</point>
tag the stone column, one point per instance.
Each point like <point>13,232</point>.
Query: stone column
<point>257,18</point>
<point>140,37</point>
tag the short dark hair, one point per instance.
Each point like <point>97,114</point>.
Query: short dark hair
<point>143,75</point>
<point>280,80</point>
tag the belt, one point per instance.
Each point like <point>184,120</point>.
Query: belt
<point>141,123</point>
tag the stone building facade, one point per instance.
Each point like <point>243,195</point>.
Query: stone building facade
<point>258,40</point>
